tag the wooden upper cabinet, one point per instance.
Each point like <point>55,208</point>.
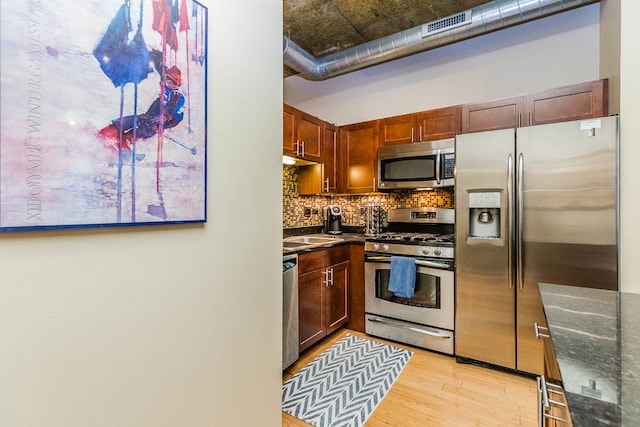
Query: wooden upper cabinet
<point>398,130</point>
<point>302,134</point>
<point>575,102</point>
<point>329,158</point>
<point>289,130</point>
<point>437,124</point>
<point>499,114</point>
<point>322,178</point>
<point>425,126</point>
<point>358,157</point>
<point>310,137</point>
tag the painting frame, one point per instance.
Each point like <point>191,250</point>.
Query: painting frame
<point>103,113</point>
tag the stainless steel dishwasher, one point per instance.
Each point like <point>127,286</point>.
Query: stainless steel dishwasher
<point>290,340</point>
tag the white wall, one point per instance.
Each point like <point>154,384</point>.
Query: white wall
<point>630,147</point>
<point>555,51</point>
<point>168,325</point>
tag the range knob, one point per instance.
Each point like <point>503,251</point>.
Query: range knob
<point>376,246</point>
<point>437,252</point>
<point>425,251</point>
<point>385,247</point>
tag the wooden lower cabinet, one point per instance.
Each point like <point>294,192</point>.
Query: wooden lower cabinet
<point>556,412</point>
<point>356,288</point>
<point>323,292</point>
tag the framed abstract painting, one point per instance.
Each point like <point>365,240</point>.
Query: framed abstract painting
<point>103,107</point>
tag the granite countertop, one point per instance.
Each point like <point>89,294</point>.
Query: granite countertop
<point>340,239</point>
<point>596,337</point>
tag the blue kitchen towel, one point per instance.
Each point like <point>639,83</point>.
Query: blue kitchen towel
<point>402,278</point>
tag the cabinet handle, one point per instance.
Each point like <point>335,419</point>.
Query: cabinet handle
<point>302,153</point>
<point>538,333</point>
<point>412,135</point>
<point>297,146</point>
<point>326,185</point>
<point>373,184</point>
<point>519,119</point>
<point>420,135</point>
<point>328,277</point>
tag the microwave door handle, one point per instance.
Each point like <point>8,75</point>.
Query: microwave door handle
<point>438,167</point>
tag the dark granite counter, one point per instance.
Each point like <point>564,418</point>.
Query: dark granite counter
<point>341,239</point>
<point>596,337</point>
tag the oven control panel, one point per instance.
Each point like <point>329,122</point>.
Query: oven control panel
<point>409,250</point>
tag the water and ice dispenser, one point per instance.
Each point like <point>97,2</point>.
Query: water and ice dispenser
<point>484,215</point>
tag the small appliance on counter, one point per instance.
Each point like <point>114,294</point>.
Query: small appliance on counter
<point>333,220</point>
<point>373,218</point>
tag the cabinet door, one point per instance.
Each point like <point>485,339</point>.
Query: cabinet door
<point>310,136</point>
<point>329,158</point>
<point>398,130</point>
<point>310,180</point>
<point>359,151</point>
<point>500,114</point>
<point>575,102</point>
<point>437,124</point>
<point>337,301</point>
<point>289,130</point>
<point>356,287</point>
<point>311,312</point>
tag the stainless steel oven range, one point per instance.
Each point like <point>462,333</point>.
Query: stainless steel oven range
<point>427,318</point>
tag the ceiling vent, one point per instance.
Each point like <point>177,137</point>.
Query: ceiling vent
<point>453,21</point>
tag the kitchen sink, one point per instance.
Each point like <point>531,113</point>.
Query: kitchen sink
<point>293,245</point>
<point>313,240</point>
<point>300,242</point>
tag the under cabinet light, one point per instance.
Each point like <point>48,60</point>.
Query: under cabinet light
<point>286,160</point>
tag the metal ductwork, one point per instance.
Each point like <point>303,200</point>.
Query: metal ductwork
<point>483,19</point>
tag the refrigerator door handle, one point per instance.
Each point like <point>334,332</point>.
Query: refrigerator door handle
<point>520,190</point>
<point>510,220</point>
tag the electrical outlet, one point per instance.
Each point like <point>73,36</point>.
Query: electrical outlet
<point>307,211</point>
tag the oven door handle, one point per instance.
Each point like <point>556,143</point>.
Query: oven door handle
<point>419,262</point>
<point>433,264</point>
<point>411,328</point>
<point>380,258</point>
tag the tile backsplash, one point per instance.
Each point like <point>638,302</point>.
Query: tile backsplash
<point>352,206</point>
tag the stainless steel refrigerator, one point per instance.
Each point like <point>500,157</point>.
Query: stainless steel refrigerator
<point>533,204</point>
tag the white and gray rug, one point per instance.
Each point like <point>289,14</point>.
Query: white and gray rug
<point>343,385</point>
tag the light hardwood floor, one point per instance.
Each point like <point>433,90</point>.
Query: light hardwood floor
<point>434,390</point>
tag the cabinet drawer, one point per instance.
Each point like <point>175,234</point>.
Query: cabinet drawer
<point>323,258</point>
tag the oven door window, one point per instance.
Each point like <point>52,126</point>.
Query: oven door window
<point>426,293</point>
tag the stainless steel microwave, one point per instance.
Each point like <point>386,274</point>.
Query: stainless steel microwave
<point>418,165</point>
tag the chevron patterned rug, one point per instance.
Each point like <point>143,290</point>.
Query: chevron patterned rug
<point>343,385</point>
